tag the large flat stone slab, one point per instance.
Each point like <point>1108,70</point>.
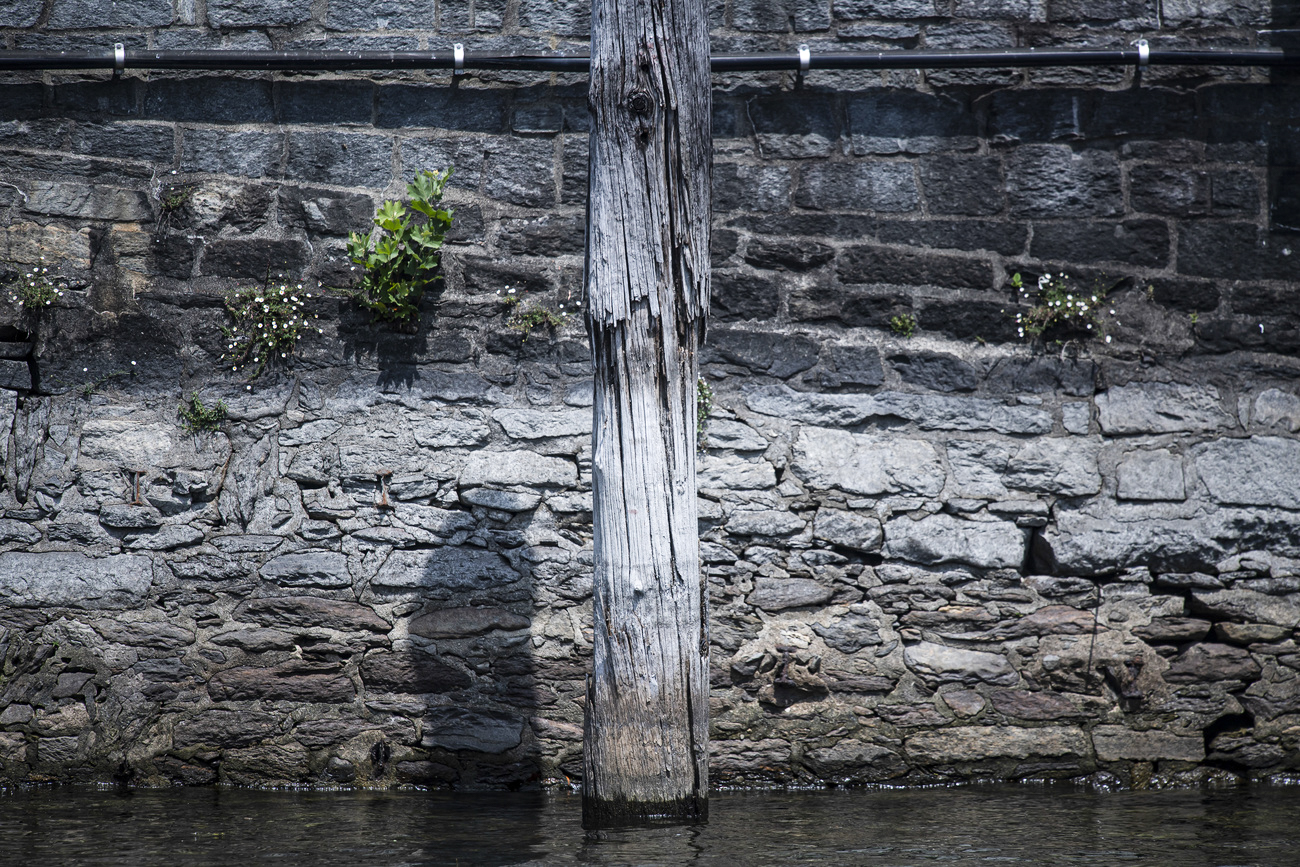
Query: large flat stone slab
<point>947,539</point>
<point>74,580</point>
<point>867,464</point>
<point>977,743</point>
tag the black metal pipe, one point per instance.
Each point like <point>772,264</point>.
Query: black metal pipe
<point>974,58</point>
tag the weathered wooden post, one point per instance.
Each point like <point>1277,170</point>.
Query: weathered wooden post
<point>646,732</point>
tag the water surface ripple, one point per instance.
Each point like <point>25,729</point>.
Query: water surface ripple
<point>989,826</point>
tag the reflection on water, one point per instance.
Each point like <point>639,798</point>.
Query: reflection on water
<point>989,826</point>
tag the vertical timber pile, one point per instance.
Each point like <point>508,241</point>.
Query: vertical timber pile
<point>645,750</point>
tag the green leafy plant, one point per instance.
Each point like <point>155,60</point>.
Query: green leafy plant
<point>528,317</point>
<point>197,418</point>
<point>903,325</point>
<point>1057,304</point>
<point>35,288</point>
<point>402,254</point>
<point>89,389</point>
<point>268,322</point>
<point>703,410</point>
<point>174,198</point>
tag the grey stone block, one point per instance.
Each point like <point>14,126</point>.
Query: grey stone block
<point>980,743</point>
<point>908,122</point>
<point>534,424</point>
<point>344,159</point>
<point>937,371</point>
<point>325,212</point>
<point>1211,13</point>
<point>850,633</point>
<point>764,522</point>
<point>465,622</point>
<point>1117,743</point>
<point>292,681</point>
<point>852,9</point>
<point>1159,407</point>
<point>795,127</point>
<point>561,17</point>
<point>1009,239</point>
<point>463,155</point>
<point>24,13</point>
<point>1150,475</point>
<point>15,375</point>
<point>937,664</point>
<point>930,412</point>
<point>787,255</point>
<point>859,185</point>
<point>848,530</point>
<point>844,364</point>
<point>1054,181</point>
<point>1259,471</point>
<point>456,728</point>
<point>781,594</point>
<point>548,235</point>
<point>866,464</point>
<point>744,296</point>
<point>947,539</point>
<point>210,100</point>
<point>461,109</point>
<point>381,15</point>
<point>89,14</point>
<point>775,16</point>
<point>775,354</point>
<point>965,185</point>
<point>883,266</point>
<point>725,434</point>
<point>522,172</point>
<point>518,468</point>
<point>443,569</point>
<point>256,13</point>
<point>325,102</point>
<point>1235,251</point>
<point>91,202</point>
<point>739,187</point>
<point>246,154</point>
<point>74,580</point>
<point>1105,10</point>
<point>1277,409</point>
<point>1187,191</point>
<point>733,472</point>
<point>310,612</point>
<point>253,258</point>
<point>138,141</point>
<point>1247,606</point>
<point>308,569</point>
<point>441,433</point>
<point>1132,242</point>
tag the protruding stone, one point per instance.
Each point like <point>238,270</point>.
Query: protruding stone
<point>779,594</point>
<point>464,622</point>
<point>309,569</point>
<point>456,728</point>
<point>937,663</point>
<point>848,529</point>
<point>978,743</point>
<point>1117,743</point>
<point>946,539</point>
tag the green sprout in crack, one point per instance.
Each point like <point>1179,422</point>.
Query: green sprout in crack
<point>703,410</point>
<point>198,418</point>
<point>904,325</point>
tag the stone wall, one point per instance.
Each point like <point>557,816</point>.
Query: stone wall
<point>960,554</point>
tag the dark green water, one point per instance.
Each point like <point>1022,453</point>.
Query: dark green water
<point>989,826</point>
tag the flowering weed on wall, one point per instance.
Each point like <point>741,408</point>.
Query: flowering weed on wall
<point>268,322</point>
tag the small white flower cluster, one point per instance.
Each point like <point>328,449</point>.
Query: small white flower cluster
<point>1057,304</point>
<point>268,323</point>
<point>36,289</point>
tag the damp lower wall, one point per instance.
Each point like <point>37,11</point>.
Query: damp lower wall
<point>937,550</point>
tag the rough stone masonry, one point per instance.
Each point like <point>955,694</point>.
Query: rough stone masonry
<point>950,556</point>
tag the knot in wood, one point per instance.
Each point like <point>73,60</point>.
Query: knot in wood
<point>640,103</point>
